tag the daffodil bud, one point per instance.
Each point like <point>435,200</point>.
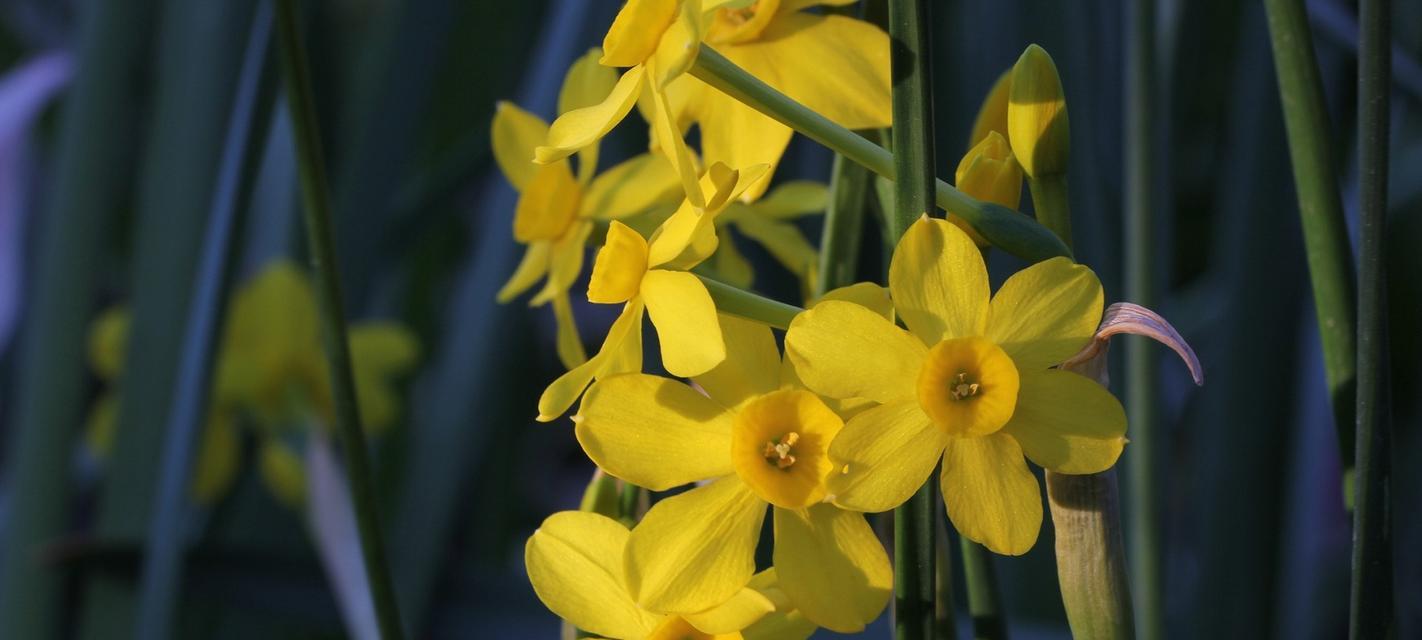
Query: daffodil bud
<point>990,173</point>
<point>992,116</point>
<point>1037,115</point>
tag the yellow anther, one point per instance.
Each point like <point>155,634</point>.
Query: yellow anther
<point>963,388</point>
<point>778,452</point>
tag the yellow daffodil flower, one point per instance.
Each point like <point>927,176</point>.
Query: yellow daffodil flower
<point>651,277</point>
<point>271,374</point>
<point>971,381</point>
<point>990,173</point>
<point>658,41</point>
<point>574,563</point>
<point>556,211</point>
<point>758,443</point>
<point>836,65</point>
<point>770,223</point>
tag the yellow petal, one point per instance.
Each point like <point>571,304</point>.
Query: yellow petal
<point>636,31</point>
<point>218,455</point>
<point>794,199</point>
<point>570,344</point>
<point>1067,423</point>
<point>679,44</point>
<point>992,115</point>
<point>865,294</point>
<point>739,136</point>
<point>654,432</point>
<point>635,186</point>
<point>585,85</point>
<point>832,566</point>
<point>796,5</point>
<point>883,455</point>
<point>565,262</point>
<point>381,352</point>
<point>685,318</point>
<point>548,205</point>
<point>564,391</point>
<point>679,628</point>
<point>101,426</point>
<point>855,95</point>
<point>515,134</point>
<point>991,496</point>
<point>619,267</point>
<point>695,550</point>
<point>843,350</point>
<point>666,135</point>
<point>108,337</point>
<point>1046,313</point>
<point>283,472</point>
<point>751,367</point>
<point>989,173</point>
<point>1037,115</point>
<point>939,282</point>
<point>530,269</point>
<point>784,241</point>
<point>788,625</point>
<point>730,265</point>
<point>581,127</point>
<point>741,611</point>
<point>574,561</point>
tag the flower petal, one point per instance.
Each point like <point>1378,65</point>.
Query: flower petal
<point>666,137</point>
<point>741,611</point>
<point>218,459</point>
<point>548,204</point>
<point>574,561</point>
<point>785,242</point>
<point>939,282</point>
<point>751,367</point>
<point>992,115</point>
<point>794,199</point>
<point>515,134</point>
<point>865,294</point>
<point>654,432</point>
<point>843,350</point>
<point>586,84</point>
<point>883,455</point>
<point>636,31</point>
<point>739,136</point>
<point>991,496</point>
<point>1045,313</point>
<point>381,352</point>
<point>832,566</point>
<point>685,318</point>
<point>530,269</point>
<point>695,550</point>
<point>730,265</point>
<point>564,391</point>
<point>565,262</point>
<point>1067,423</point>
<point>570,344</point>
<point>581,127</point>
<point>634,186</point>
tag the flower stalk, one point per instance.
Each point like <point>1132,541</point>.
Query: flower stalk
<point>1090,564</point>
<point>317,213</point>
<point>984,600</point>
<point>910,55</point>
<point>844,224</point>
<point>1016,234</point>
<point>1371,614</point>
<point>1320,208</point>
<point>744,304</point>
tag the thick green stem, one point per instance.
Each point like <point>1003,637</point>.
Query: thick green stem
<point>1371,594</point>
<point>844,224</point>
<point>1052,204</point>
<point>750,306</point>
<point>1016,234</point>
<point>984,601</point>
<point>910,54</point>
<point>1140,353</point>
<point>1320,207</point>
<point>1091,564</point>
<point>317,209</point>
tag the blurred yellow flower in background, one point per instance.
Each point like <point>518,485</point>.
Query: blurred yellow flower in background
<point>972,381</point>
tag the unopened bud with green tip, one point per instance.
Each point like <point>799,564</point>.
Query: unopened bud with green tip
<point>990,173</point>
<point>1037,115</point>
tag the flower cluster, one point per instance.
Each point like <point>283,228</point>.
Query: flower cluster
<point>269,379</point>
<point>876,387</point>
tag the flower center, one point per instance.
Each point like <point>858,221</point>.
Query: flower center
<point>778,452</point>
<point>968,386</point>
<point>779,446</point>
<point>742,24</point>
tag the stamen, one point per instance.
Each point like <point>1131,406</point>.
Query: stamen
<point>963,388</point>
<point>778,452</point>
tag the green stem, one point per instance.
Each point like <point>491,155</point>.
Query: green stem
<point>317,209</point>
<point>844,224</point>
<point>1052,204</point>
<point>984,602</point>
<point>750,306</point>
<point>1320,207</point>
<point>1004,228</point>
<point>629,500</point>
<point>945,625</point>
<point>910,55</point>
<point>1371,590</point>
<point>1140,280</point>
<point>1091,562</point>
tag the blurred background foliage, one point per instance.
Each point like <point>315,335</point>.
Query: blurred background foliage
<point>113,120</point>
